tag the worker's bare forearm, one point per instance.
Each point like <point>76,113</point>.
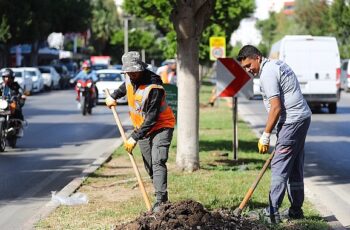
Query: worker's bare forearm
<point>274,114</point>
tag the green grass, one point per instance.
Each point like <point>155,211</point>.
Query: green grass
<point>220,182</point>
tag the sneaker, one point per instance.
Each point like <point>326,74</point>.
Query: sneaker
<point>290,213</point>
<point>271,218</point>
<point>265,216</point>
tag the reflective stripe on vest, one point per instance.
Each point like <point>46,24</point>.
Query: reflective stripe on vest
<point>137,101</point>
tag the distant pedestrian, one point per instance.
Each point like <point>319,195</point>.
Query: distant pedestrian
<point>152,118</point>
<point>288,110</point>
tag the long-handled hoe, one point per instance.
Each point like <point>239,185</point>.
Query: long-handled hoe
<point>248,195</point>
<point>137,173</point>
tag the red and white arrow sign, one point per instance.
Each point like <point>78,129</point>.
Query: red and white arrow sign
<point>231,77</point>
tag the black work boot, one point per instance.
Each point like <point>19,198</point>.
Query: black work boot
<point>161,199</point>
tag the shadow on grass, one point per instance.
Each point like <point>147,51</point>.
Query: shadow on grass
<point>98,175</point>
<point>207,83</point>
<point>226,145</point>
<point>243,164</point>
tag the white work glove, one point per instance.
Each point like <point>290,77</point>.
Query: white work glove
<point>110,101</point>
<point>264,143</point>
<point>130,144</point>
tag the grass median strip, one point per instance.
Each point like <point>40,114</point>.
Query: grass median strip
<point>220,183</point>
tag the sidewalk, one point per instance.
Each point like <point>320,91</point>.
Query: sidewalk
<point>254,114</point>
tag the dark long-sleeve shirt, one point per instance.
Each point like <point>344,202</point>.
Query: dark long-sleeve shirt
<point>152,104</point>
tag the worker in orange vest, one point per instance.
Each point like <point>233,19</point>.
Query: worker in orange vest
<point>152,118</point>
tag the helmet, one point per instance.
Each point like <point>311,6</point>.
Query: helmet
<point>86,64</point>
<point>8,73</point>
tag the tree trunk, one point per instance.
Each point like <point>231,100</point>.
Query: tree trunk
<point>189,19</point>
<point>188,105</point>
<point>34,54</point>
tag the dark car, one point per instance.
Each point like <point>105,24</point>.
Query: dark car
<point>63,72</point>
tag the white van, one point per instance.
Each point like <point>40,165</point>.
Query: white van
<point>316,63</point>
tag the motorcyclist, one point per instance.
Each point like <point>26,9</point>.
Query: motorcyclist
<point>85,74</point>
<point>11,90</point>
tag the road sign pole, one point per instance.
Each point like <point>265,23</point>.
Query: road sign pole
<point>235,128</point>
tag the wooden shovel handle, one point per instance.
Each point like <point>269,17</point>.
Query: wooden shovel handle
<point>255,184</point>
<point>136,170</point>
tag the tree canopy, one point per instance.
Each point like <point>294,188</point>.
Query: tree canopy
<point>31,21</point>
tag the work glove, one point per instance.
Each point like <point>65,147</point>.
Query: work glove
<point>110,101</point>
<point>264,143</point>
<point>130,144</point>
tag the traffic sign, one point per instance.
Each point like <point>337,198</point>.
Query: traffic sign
<point>231,77</point>
<point>217,47</point>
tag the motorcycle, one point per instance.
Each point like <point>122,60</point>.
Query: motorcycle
<point>10,128</point>
<point>85,89</point>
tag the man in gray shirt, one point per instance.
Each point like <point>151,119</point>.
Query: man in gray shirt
<point>288,110</point>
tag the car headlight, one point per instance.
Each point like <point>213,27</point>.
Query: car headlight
<point>89,84</point>
<point>79,84</point>
<point>35,78</point>
<point>3,104</point>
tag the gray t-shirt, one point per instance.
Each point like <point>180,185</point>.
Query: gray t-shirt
<point>277,79</point>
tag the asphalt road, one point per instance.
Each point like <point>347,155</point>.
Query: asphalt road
<point>58,144</point>
<point>327,155</point>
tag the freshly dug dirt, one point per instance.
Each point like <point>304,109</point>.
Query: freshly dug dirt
<point>189,214</point>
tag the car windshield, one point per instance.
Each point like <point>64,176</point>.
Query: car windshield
<point>110,77</point>
<point>30,73</point>
<point>18,74</point>
<point>99,66</point>
<point>44,70</point>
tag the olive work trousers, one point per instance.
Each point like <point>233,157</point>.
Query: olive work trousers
<point>155,149</point>
<point>287,165</point>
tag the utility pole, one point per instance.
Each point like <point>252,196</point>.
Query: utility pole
<point>126,29</point>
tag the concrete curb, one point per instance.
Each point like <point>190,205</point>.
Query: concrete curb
<point>70,188</point>
<point>327,215</point>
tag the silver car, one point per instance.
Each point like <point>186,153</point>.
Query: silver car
<point>51,77</point>
<point>37,79</point>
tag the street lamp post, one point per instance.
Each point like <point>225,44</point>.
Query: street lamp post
<point>126,38</point>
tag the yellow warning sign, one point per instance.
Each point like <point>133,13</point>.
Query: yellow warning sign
<point>217,47</point>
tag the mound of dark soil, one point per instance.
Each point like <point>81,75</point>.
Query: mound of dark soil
<point>189,214</point>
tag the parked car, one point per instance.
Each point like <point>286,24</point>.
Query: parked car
<point>256,87</point>
<point>37,78</point>
<point>24,81</point>
<point>51,77</point>
<point>71,66</point>
<point>345,75</point>
<point>64,75</point>
<point>109,79</point>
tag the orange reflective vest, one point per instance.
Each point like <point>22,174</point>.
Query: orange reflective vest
<point>136,102</point>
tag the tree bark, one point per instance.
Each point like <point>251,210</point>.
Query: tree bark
<point>187,157</point>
